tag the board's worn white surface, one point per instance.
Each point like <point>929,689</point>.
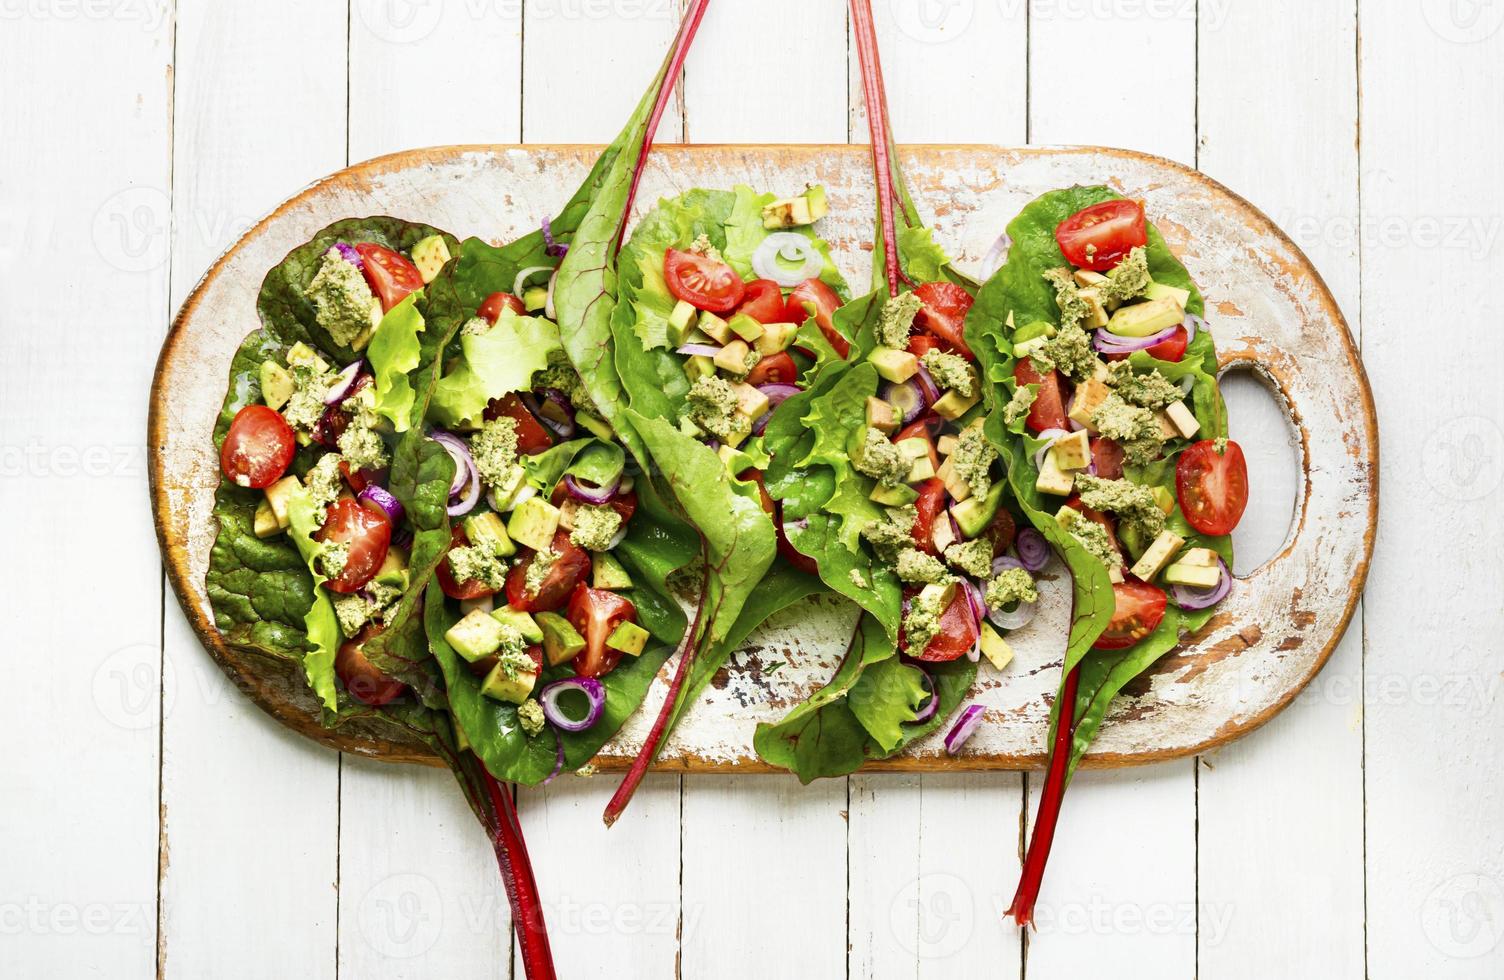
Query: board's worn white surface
<point>1397,742</point>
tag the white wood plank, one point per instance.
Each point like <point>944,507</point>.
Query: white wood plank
<point>1433,716</point>
<point>430,74</point>
<point>1120,888</point>
<point>1098,904</point>
<point>84,248</point>
<point>734,93</point>
<point>1078,94</point>
<point>764,877</point>
<point>932,855</point>
<point>251,810</point>
<point>585,66</point>
<point>1290,145</point>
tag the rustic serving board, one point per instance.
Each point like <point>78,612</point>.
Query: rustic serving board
<point>1266,305</point>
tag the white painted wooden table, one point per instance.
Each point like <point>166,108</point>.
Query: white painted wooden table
<point>153,822</point>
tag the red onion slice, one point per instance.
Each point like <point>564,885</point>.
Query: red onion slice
<point>1033,550</point>
<point>927,707</point>
<point>469,499</point>
<point>380,498</point>
<point>698,350</point>
<point>908,397</point>
<point>1188,597</point>
<point>344,384</point>
<point>554,411</point>
<point>588,494</point>
<point>594,693</point>
<point>553,247</point>
<point>519,283</point>
<point>1192,323</point>
<point>778,393</point>
<point>927,383</point>
<point>971,717</point>
<point>993,260</point>
<point>1111,343</point>
<point>347,252</point>
<point>558,759</point>
<point>464,465</point>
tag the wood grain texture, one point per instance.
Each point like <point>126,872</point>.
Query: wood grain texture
<point>1271,312</point>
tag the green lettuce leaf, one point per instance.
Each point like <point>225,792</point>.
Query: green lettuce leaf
<point>320,623</point>
<point>495,363</point>
<point>394,352</point>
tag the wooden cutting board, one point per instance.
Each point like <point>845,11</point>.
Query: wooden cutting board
<point>1267,307</point>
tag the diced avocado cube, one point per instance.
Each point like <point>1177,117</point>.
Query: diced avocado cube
<point>534,523</point>
<point>1203,557</point>
<point>715,328</point>
<point>486,531</point>
<point>561,641</point>
<point>974,513</point>
<point>936,595</point>
<point>1158,290</point>
<point>1073,452</point>
<point>921,469</point>
<point>276,384</point>
<point>916,447</point>
<point>881,416</point>
<point>792,212</point>
<point>727,454</point>
<point>681,320</point>
<point>1053,478</point>
<point>749,401</point>
<point>1181,418</point>
<point>504,495</point>
<point>688,428</point>
<point>893,365</point>
<point>775,338</point>
<point>1196,576</point>
<point>1036,330</point>
<point>1096,313</point>
<point>393,570</point>
<point>946,444</point>
<point>278,495</point>
<point>519,621</point>
<point>475,636</point>
<point>1144,319</point>
<point>430,256</point>
<point>607,573</point>
<point>953,405</point>
<point>484,603</point>
<point>1157,555</point>
<point>1066,516</point>
<point>893,496</point>
<point>1164,498</point>
<point>1089,397</point>
<point>1086,278</point>
<point>819,207</point>
<point>629,638</point>
<point>699,366</point>
<point>535,299</point>
<point>942,535</point>
<point>301,353</point>
<point>995,648</point>
<point>733,357</point>
<point>595,425</point>
<point>1023,348</point>
<point>748,328</point>
<point>513,690</point>
<point>265,523</point>
<point>955,484</point>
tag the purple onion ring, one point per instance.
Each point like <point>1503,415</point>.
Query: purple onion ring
<point>594,693</point>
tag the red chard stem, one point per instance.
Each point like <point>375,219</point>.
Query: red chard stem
<point>1022,909</point>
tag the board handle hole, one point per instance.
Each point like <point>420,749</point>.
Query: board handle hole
<point>1259,420</point>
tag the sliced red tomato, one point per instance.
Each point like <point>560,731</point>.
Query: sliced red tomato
<point>944,314</point>
<point>958,633</point>
<point>1212,486</point>
<point>595,613</point>
<point>1001,531</point>
<point>777,369</point>
<point>921,344</point>
<point>532,437</point>
<point>568,570</point>
<point>1108,458</point>
<point>365,683</point>
<point>491,307</point>
<point>924,428</point>
<point>1172,349</point>
<point>931,507</point>
<point>786,548</point>
<point>1098,237</point>
<point>762,300</point>
<point>813,298</point>
<point>701,281</point>
<point>1137,611</point>
<point>258,448</point>
<point>390,274</point>
<point>472,588</point>
<point>358,480</point>
<point>369,535</point>
<point>1048,410</point>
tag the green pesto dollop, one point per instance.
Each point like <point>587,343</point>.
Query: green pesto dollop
<point>1008,586</point>
<point>1134,504</point>
<point>950,371</point>
<point>594,526</point>
<point>477,562</point>
<point>972,460</point>
<point>370,604</point>
<point>530,716</point>
<point>859,580</point>
<point>361,444</point>
<point>1018,406</point>
<point>917,568</point>
<point>305,406</point>
<point>1128,279</point>
<point>1094,538</point>
<point>1135,429</point>
<point>973,557</point>
<point>334,558</point>
<point>324,481</point>
<point>476,326</point>
<point>494,449</point>
<point>897,320</point>
<point>1146,390</point>
<point>561,374</point>
<point>342,302</point>
<point>704,246</point>
<point>1073,308</point>
<point>1070,351</point>
<point>542,564</point>
<point>880,459</point>
<point>711,404</point>
<point>922,622</point>
<point>893,533</point>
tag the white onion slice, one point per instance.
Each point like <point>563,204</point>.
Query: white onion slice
<point>525,275</point>
<point>995,255</point>
<point>787,246</point>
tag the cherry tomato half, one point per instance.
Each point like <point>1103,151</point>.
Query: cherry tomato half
<point>763,301</point>
<point>472,588</point>
<point>1212,487</point>
<point>595,613</point>
<point>369,535</point>
<point>1048,410</point>
<point>1108,457</point>
<point>390,274</point>
<point>258,448</point>
<point>532,437</point>
<point>1138,610</point>
<point>701,281</point>
<point>958,633</point>
<point>568,570</point>
<point>777,369</point>
<point>365,683</point>
<point>1098,237</point>
<point>491,307</point>
<point>931,506</point>
<point>944,314</point>
<point>813,298</point>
